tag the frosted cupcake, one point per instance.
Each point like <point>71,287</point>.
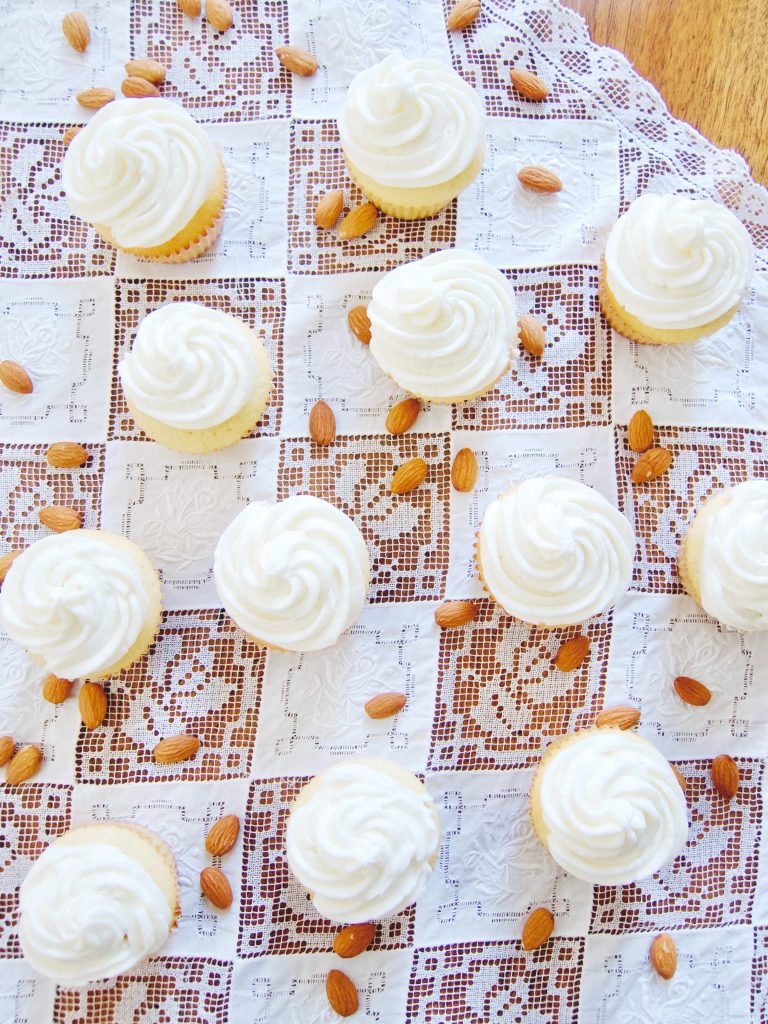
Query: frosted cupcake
<point>293,574</point>
<point>608,807</point>
<point>675,269</point>
<point>444,327</point>
<point>723,559</point>
<point>413,135</point>
<point>85,603</point>
<point>196,379</point>
<point>98,901</point>
<point>363,838</point>
<point>554,552</point>
<point>148,179</point>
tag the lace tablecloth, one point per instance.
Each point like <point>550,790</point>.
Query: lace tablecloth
<point>483,700</point>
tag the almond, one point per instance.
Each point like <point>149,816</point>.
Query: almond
<point>360,324</point>
<point>692,691</point>
<point>725,776</point>
<point>456,613</point>
<point>297,61</point>
<point>354,940</point>
<point>328,209</point>
<point>15,377</point>
<point>55,689</point>
<point>531,334</point>
<point>7,747</point>
<point>218,13</point>
<point>70,133</point>
<point>223,835</point>
<point>176,748</point>
<point>190,7</point>
<point>7,560</point>
<point>651,464</point>
<point>138,88</point>
<point>680,777</point>
<point>664,956</point>
<point>529,84</point>
<point>408,476</point>
<point>216,888</point>
<point>95,99</point>
<point>385,705</point>
<point>93,705</point>
<point>152,70</point>
<point>572,653</point>
<point>60,518</point>
<point>464,470</point>
<point>402,416</point>
<point>538,928</point>
<point>76,30</point>
<point>322,424</point>
<point>640,431</point>
<point>342,994</point>
<point>539,179</point>
<point>23,765</point>
<point>66,455</point>
<point>462,14</point>
<point>622,717</point>
<point>358,221</point>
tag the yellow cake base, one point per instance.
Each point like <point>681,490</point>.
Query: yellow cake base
<point>692,544</point>
<point>537,814</point>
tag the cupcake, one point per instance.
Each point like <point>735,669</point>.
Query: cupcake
<point>444,327</point>
<point>413,135</point>
<point>554,552</point>
<point>363,838</point>
<point>98,901</point>
<point>148,179</point>
<point>196,379</point>
<point>293,574</point>
<point>608,807</point>
<point>723,559</point>
<point>675,269</point>
<point>85,603</point>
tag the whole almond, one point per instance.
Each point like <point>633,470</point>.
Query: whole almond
<point>529,84</point>
<point>651,464</point>
<point>358,221</point>
<point>176,748</point>
<point>408,476</point>
<point>385,705</point>
<point>539,179</point>
<point>7,560</point>
<point>95,99</point>
<point>77,31</point>
<point>464,470</point>
<point>572,653</point>
<point>462,14</point>
<point>402,416</point>
<point>7,747</point>
<point>223,835</point>
<point>622,717</point>
<point>341,993</point>
<point>216,888</point>
<point>680,777</point>
<point>664,956</point>
<point>328,209</point>
<point>297,61</point>
<point>354,940</point>
<point>55,689</point>
<point>152,70</point>
<point>360,324</point>
<point>456,613</point>
<point>322,424</point>
<point>218,13</point>
<point>66,455</point>
<point>640,431</point>
<point>692,691</point>
<point>15,377</point>
<point>538,928</point>
<point>60,518</point>
<point>93,705</point>
<point>70,133</point>
<point>725,776</point>
<point>531,334</point>
<point>23,765</point>
<point>138,88</point>
<point>190,7</point>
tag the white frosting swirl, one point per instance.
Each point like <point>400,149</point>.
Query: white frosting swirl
<point>76,601</point>
<point>444,326</point>
<point>612,810</point>
<point>89,912</point>
<point>363,843</point>
<point>190,366</point>
<point>411,123</point>
<point>292,574</point>
<point>733,570</point>
<point>554,552</point>
<point>141,168</point>
<point>676,262</point>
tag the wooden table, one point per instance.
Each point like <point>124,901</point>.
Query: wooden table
<point>708,58</point>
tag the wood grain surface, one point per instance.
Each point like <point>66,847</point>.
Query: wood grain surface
<point>708,59</point>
